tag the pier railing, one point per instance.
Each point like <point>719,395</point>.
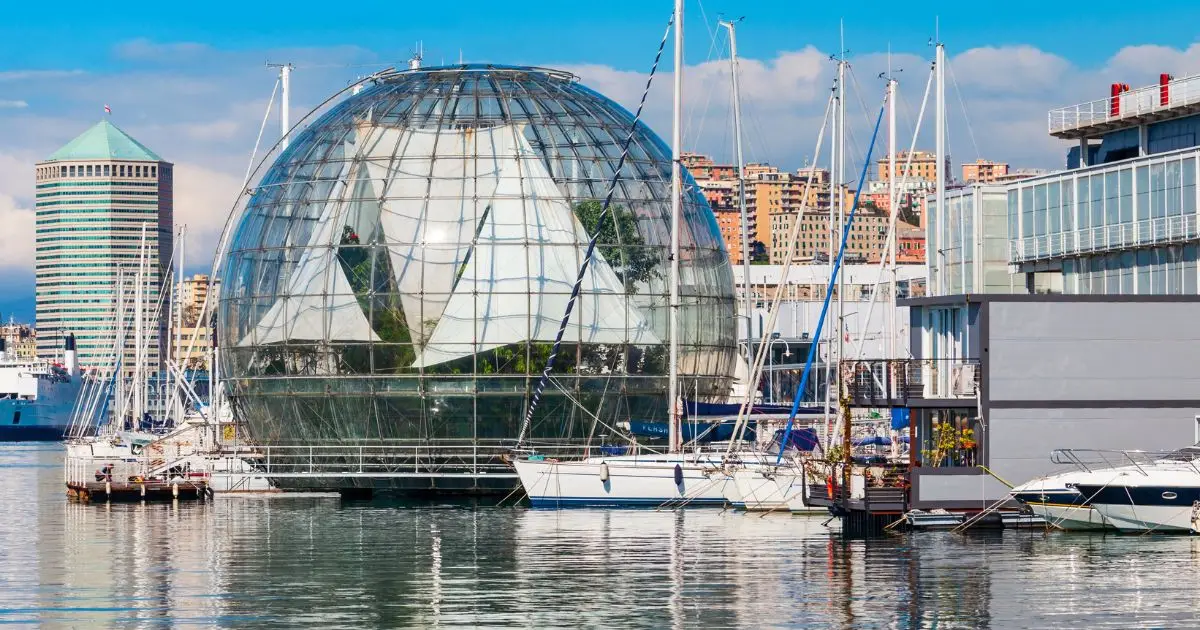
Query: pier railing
<point>447,459</point>
<point>895,382</point>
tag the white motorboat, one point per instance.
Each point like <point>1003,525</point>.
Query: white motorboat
<point>1059,502</point>
<point>1161,497</point>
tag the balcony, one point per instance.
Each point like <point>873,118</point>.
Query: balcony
<point>897,383</point>
<point>1144,233</point>
<point>1180,97</point>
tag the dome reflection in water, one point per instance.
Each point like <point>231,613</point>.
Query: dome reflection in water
<point>398,274</point>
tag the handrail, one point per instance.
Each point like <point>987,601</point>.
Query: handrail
<point>1139,102</point>
<point>1144,232</point>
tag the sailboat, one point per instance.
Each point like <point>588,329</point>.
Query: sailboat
<point>639,479</point>
<point>116,434</point>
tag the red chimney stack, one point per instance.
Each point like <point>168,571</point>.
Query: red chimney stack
<point>1164,89</point>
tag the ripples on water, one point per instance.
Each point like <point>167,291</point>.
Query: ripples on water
<point>318,562</point>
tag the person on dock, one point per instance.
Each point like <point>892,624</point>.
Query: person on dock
<point>105,473</point>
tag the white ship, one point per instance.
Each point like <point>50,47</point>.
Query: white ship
<point>36,396</point>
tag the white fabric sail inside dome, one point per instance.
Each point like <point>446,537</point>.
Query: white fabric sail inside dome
<point>318,302</point>
<point>434,186</point>
<point>517,280</point>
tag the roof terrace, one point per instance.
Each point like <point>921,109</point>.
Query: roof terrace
<point>1123,108</point>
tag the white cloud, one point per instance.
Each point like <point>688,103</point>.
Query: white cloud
<point>143,49</point>
<point>16,239</point>
<point>31,75</point>
<point>203,199</point>
<point>13,104</point>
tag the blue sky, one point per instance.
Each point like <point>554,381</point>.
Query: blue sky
<point>187,79</point>
<point>613,32</point>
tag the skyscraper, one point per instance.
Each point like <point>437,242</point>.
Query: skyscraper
<point>94,196</point>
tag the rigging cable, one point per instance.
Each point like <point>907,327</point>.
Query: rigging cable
<point>591,248</point>
<point>812,348</point>
<point>963,106</point>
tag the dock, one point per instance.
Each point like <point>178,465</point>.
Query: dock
<point>155,490</point>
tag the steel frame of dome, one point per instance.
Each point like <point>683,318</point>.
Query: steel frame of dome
<point>391,284</point>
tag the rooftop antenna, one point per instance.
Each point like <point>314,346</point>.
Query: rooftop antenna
<point>285,73</point>
<point>460,57</point>
<point>414,63</point>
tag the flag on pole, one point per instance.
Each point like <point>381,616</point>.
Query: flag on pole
<point>107,110</point>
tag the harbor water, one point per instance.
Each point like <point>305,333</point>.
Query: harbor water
<point>321,562</point>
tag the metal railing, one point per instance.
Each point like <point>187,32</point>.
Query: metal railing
<point>1090,460</point>
<point>1139,102</point>
<point>895,382</point>
<point>443,459</point>
<point>1146,232</point>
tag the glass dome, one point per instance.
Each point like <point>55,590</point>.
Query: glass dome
<point>398,273</point>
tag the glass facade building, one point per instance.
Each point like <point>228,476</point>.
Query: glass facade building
<point>398,273</point>
<point>1128,227</point>
<point>967,244</point>
<point>93,197</point>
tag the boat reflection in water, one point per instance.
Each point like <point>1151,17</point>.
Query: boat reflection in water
<point>321,562</point>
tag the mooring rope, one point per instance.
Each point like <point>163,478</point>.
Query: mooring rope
<point>587,259</point>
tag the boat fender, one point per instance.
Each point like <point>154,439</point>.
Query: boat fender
<point>604,472</point>
<point>678,475</point>
<point>175,490</point>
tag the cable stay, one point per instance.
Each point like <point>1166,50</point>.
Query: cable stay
<point>812,349</point>
<point>591,248</point>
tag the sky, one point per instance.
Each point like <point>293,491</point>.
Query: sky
<point>192,85</point>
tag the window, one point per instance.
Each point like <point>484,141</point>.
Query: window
<point>1142,208</point>
<point>153,171</point>
<point>1188,179</point>
<point>106,170</point>
<point>1172,188</point>
<point>1083,198</point>
<point>1144,280</point>
<point>1111,193</point>
<point>72,171</point>
<point>1125,198</point>
<point>1158,196</point>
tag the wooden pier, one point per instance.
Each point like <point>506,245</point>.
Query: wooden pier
<point>134,491</point>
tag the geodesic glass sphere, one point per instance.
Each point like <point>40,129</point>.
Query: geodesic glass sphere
<point>400,271</point>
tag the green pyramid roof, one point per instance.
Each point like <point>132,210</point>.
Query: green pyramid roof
<point>104,141</point>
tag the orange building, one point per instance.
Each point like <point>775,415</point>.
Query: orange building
<point>984,171</point>
<point>923,166</point>
<point>910,244</point>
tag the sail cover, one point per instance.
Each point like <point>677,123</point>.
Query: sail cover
<point>317,302</point>
<point>515,282</point>
<point>434,186</point>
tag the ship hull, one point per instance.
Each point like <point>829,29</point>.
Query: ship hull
<point>43,420</point>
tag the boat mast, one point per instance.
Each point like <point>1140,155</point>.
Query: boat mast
<point>834,192</point>
<point>179,325</point>
<point>676,201</point>
<point>841,286</point>
<point>119,351</point>
<point>940,167</point>
<point>139,333</point>
<point>741,166</point>
<point>893,207</point>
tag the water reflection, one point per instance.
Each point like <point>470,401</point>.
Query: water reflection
<point>319,562</point>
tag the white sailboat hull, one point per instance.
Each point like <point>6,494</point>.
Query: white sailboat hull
<point>769,489</point>
<point>633,481</point>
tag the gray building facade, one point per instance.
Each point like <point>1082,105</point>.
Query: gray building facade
<point>1050,372</point>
